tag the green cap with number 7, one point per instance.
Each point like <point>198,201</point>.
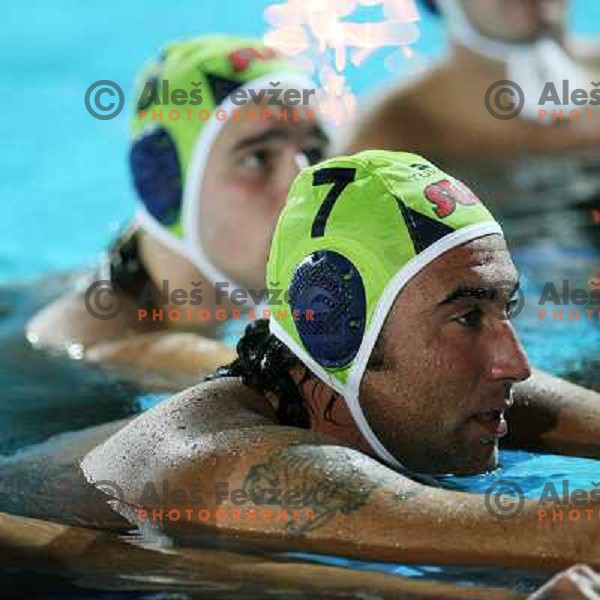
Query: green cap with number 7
<point>353,233</point>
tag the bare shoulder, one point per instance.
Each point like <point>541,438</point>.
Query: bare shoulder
<point>401,118</point>
<point>214,428</point>
<point>187,426</point>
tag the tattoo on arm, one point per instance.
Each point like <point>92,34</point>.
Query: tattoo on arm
<point>325,483</point>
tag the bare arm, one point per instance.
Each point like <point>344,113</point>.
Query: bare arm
<point>123,339</point>
<point>362,509</point>
<point>80,553</point>
<point>173,352</point>
<point>359,508</point>
<point>553,415</point>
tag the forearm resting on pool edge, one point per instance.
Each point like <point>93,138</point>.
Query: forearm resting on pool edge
<point>553,415</point>
<point>353,506</point>
<point>87,555</point>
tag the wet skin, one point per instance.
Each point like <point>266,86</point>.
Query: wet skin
<point>223,433</point>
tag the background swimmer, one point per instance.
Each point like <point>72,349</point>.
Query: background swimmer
<point>522,165</point>
<point>210,194</point>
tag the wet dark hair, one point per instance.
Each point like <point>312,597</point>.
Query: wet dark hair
<point>264,364</point>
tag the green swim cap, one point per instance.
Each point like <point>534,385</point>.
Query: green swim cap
<point>355,230</point>
<point>168,155</point>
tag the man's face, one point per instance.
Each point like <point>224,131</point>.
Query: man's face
<point>516,20</point>
<point>449,361</point>
<point>249,173</point>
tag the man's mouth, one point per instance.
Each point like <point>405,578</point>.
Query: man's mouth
<point>492,424</point>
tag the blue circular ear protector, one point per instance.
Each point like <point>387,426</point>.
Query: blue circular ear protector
<point>157,174</point>
<point>431,6</point>
<point>330,286</point>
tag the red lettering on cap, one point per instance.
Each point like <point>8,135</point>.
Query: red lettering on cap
<point>241,59</point>
<point>447,194</point>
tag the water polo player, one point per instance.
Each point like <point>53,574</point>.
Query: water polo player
<point>410,368</point>
<point>210,191</point>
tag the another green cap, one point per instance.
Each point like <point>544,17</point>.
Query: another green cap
<point>171,143</point>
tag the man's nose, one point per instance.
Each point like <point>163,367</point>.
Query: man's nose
<point>508,360</point>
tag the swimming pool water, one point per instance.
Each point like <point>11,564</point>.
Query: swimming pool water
<point>64,183</point>
<point>65,191</point>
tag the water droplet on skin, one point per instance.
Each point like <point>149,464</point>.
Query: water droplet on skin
<point>75,351</point>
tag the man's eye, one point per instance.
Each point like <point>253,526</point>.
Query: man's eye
<point>314,155</point>
<point>255,160</point>
<point>471,319</point>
